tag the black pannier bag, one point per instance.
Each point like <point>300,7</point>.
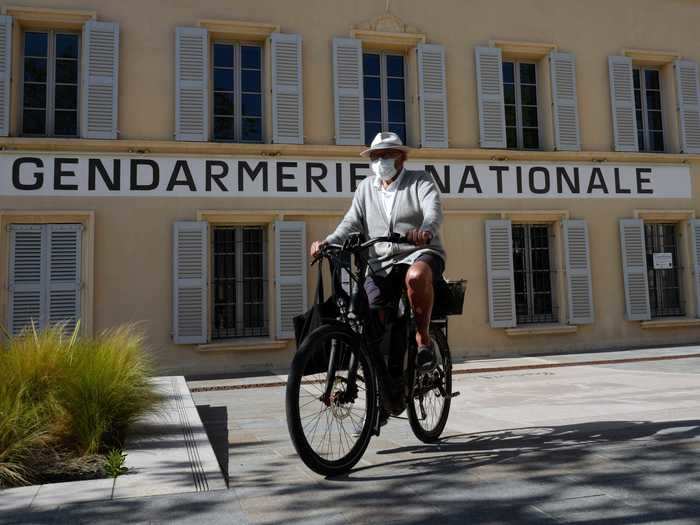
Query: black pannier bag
<point>449,298</point>
<point>322,310</point>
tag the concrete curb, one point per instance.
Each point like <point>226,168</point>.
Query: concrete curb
<point>169,453</point>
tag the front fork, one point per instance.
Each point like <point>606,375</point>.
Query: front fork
<point>350,387</point>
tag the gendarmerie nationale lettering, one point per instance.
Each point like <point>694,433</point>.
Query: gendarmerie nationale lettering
<point>164,176</point>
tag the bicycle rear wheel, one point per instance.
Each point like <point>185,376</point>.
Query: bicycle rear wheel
<point>430,400</point>
<point>330,429</point>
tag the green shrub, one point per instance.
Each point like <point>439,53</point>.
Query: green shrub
<point>69,393</point>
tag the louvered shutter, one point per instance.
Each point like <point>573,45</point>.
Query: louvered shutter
<point>27,256</point>
<point>489,79</point>
<point>634,267</point>
<point>578,272</point>
<point>499,273</point>
<point>622,103</point>
<point>348,91</point>
<point>63,277</point>
<point>695,238</point>
<point>562,68</point>
<point>100,80</point>
<point>290,275</point>
<point>5,73</point>
<point>190,265</point>
<point>688,96</point>
<point>191,84</point>
<point>287,89</point>
<point>432,95</point>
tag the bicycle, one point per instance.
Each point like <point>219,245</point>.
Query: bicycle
<point>352,367</point>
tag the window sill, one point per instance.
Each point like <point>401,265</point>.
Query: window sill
<point>672,322</point>
<point>542,329</point>
<point>244,345</point>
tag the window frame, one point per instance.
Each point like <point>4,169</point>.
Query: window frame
<point>645,110</point>
<point>384,92</point>
<point>678,268</point>
<point>237,91</point>
<point>242,332</point>
<point>51,59</point>
<point>532,318</point>
<point>520,143</point>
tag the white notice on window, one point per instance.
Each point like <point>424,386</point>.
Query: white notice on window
<point>663,261</point>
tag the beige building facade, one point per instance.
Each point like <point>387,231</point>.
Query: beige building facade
<point>168,164</point>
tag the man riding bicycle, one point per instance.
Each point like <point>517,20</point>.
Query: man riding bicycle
<point>397,200</point>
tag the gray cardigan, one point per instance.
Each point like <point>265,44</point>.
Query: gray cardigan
<point>417,205</point>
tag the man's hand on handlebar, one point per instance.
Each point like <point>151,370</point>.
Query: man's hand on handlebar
<point>316,248</point>
<point>419,237</point>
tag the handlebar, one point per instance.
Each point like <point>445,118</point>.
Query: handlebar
<point>394,238</point>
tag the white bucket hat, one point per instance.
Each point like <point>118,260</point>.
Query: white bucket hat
<point>385,140</point>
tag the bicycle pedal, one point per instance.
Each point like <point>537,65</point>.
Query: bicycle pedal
<point>454,394</point>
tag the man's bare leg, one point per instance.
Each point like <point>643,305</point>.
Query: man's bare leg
<point>419,284</point>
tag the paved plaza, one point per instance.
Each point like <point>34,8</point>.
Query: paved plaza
<point>612,443</point>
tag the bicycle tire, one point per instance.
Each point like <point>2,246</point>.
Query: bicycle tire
<point>314,343</point>
<point>431,435</point>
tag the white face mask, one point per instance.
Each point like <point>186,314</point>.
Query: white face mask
<point>384,168</point>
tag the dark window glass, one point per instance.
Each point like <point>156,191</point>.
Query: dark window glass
<point>653,100</point>
<point>35,70</point>
<point>651,79</point>
<point>508,72</point>
<point>67,71</point>
<point>520,104</point>
<point>395,88</point>
<point>397,111</point>
<point>251,129</point>
<point>509,93</point>
<point>528,95</point>
<point>512,137</point>
<point>371,130</point>
<point>531,138</point>
<point>66,97</point>
<point>647,102</point>
<point>223,79</point>
<point>250,81</point>
<point>223,103</point>
<point>36,44</point>
<point>394,65</point>
<point>223,55</point>
<point>656,139</point>
<point>655,121</point>
<point>35,96</point>
<point>34,122</point>
<point>67,46</point>
<point>373,111</point>
<point>370,64</point>
<point>223,128</point>
<point>372,87</point>
<point>251,105</point>
<point>510,116</point>
<point>530,116</point>
<point>250,57</point>
<point>532,274</point>
<point>527,73</point>
<point>66,123</point>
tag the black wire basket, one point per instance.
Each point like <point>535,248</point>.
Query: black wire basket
<point>449,297</point>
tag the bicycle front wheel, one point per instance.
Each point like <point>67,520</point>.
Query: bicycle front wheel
<point>430,400</point>
<point>331,400</point>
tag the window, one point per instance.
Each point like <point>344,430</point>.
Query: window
<point>647,103</point>
<point>50,84</point>
<point>237,92</point>
<point>45,275</point>
<point>385,94</point>
<point>520,102</point>
<point>239,286</point>
<point>532,273</point>
<point>664,281</point>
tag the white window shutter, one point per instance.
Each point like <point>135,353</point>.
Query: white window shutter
<point>489,80</point>
<point>190,269</point>
<point>287,89</point>
<point>26,279</point>
<point>5,73</point>
<point>432,95</point>
<point>63,277</point>
<point>348,91</point>
<point>622,103</point>
<point>99,101</point>
<point>695,243</point>
<point>562,68</point>
<point>290,275</point>
<point>499,273</point>
<point>688,97</point>
<point>191,84</point>
<point>634,268</point>
<point>578,272</point>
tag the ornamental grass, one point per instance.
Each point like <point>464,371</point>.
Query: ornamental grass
<point>65,396</point>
